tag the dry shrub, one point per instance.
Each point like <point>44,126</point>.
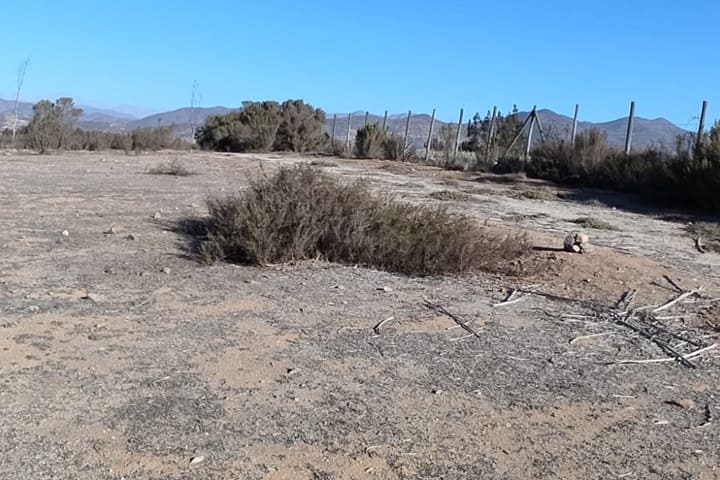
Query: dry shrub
<point>450,195</point>
<point>594,223</point>
<point>171,167</point>
<point>302,213</point>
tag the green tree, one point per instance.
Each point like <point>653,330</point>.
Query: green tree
<point>53,124</point>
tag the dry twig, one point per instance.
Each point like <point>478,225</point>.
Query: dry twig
<point>376,328</point>
<point>440,309</point>
<point>668,359</point>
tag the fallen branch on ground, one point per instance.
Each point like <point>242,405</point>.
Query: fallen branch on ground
<point>441,310</point>
<point>669,304</point>
<point>667,359</point>
<point>376,328</point>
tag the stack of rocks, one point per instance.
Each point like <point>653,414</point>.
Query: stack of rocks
<point>577,243</point>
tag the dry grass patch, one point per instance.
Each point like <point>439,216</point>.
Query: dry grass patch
<point>323,163</point>
<point>301,213</point>
<point>593,223</point>
<point>451,195</point>
<point>170,167</point>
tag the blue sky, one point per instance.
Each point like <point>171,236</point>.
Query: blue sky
<point>372,55</point>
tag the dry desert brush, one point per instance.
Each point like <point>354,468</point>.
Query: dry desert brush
<point>302,213</point>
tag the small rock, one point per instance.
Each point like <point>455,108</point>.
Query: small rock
<point>131,237</point>
<point>197,459</point>
<point>94,297</point>
<point>385,289</point>
<point>166,270</point>
<point>33,308</point>
<point>156,215</point>
<point>111,231</point>
<point>568,243</point>
<point>65,233</point>
<point>436,391</point>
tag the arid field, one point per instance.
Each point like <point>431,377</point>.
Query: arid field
<point>122,356</point>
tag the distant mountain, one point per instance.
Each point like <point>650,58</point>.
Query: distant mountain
<point>92,114</point>
<point>179,119</point>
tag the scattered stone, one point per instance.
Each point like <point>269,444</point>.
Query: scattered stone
<point>156,215</point>
<point>385,289</point>
<point>197,459</point>
<point>94,297</point>
<point>131,237</point>
<point>166,270</point>
<point>33,308</point>
<point>111,231</point>
<point>437,391</point>
<point>65,233</point>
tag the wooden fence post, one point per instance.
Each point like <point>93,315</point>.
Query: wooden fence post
<point>701,126</point>
<point>574,125</point>
<point>347,136</point>
<point>407,131</point>
<point>457,135</point>
<point>533,119</point>
<point>628,136</point>
<point>366,118</point>
<point>491,133</point>
<point>385,122</point>
<point>430,136</point>
<point>332,139</point>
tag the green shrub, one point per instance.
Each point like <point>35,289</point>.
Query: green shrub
<point>301,128</point>
<point>369,141</point>
<point>265,126</point>
<point>302,213</point>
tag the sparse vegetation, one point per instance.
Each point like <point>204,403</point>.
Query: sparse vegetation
<point>170,167</point>
<point>301,213</point>
<point>451,195</point>
<point>690,177</point>
<point>594,223</point>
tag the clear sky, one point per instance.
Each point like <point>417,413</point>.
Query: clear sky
<point>372,55</point>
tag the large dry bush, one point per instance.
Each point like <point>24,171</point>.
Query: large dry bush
<point>302,213</point>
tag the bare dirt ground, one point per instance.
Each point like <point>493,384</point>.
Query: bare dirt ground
<point>123,357</point>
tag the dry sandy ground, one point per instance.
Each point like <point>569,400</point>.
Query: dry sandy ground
<point>123,357</point>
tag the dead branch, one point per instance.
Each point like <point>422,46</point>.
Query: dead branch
<point>626,299</point>
<point>678,299</point>
<point>376,328</point>
<point>699,246</point>
<point>585,337</point>
<point>508,299</point>
<point>653,338</point>
<point>441,310</point>
<point>672,282</point>
<point>686,357</point>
